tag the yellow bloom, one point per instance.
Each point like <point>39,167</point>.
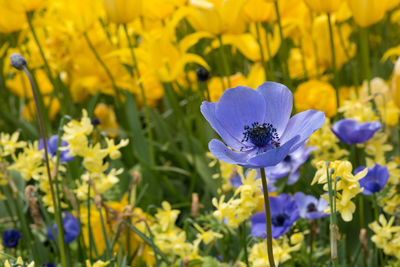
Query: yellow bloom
<point>107,118</point>
<point>260,10</point>
<point>217,17</point>
<point>383,232</point>
<point>367,12</point>
<point>98,263</point>
<point>9,144</point>
<point>166,216</point>
<point>396,83</point>
<point>206,236</point>
<point>122,11</point>
<point>318,95</point>
<point>323,5</point>
<point>76,132</point>
<point>12,16</point>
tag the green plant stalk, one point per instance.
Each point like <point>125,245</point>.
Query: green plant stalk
<point>333,56</point>
<point>268,218</point>
<point>46,156</point>
<point>270,57</point>
<point>103,228</point>
<point>243,243</point>
<point>106,69</point>
<point>364,48</point>
<point>142,94</point>
<point>332,226</point>
<point>285,71</point>
<point>224,60</point>
<point>263,63</point>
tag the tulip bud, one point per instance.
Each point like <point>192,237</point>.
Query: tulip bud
<point>323,5</point>
<point>368,12</point>
<point>17,61</point>
<point>122,11</point>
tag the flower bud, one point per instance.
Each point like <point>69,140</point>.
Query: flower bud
<point>17,61</point>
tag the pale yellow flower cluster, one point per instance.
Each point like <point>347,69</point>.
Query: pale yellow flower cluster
<point>282,248</point>
<point>326,144</point>
<point>347,186</point>
<point>170,238</point>
<point>77,135</point>
<point>386,236</point>
<point>19,262</point>
<point>239,208</point>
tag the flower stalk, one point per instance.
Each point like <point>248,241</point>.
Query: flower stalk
<point>268,218</point>
<point>227,71</point>
<point>19,62</point>
<point>333,56</point>
<point>333,222</point>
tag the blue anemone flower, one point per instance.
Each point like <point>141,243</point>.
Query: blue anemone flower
<point>351,132</point>
<point>11,238</point>
<point>284,213</point>
<point>310,207</point>
<point>71,228</point>
<point>290,165</point>
<point>52,148</point>
<point>256,125</point>
<point>375,180</point>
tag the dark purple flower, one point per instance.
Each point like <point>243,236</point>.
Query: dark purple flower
<point>49,265</point>
<point>11,238</point>
<point>310,207</point>
<point>256,125</point>
<point>71,228</point>
<point>284,212</point>
<point>351,132</point>
<point>375,179</point>
<point>52,148</point>
<point>290,165</point>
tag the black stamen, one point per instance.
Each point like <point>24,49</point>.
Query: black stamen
<point>261,135</point>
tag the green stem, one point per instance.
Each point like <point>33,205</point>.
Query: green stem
<point>332,226</point>
<point>333,56</point>
<point>142,93</point>
<point>270,59</point>
<point>47,163</point>
<point>263,63</point>
<point>106,69</point>
<point>268,218</point>
<point>224,60</point>
<point>243,242</point>
<point>285,70</point>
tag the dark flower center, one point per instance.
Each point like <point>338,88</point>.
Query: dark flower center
<point>311,207</point>
<point>279,219</point>
<point>287,159</point>
<point>261,135</point>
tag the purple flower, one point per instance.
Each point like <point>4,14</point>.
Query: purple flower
<point>71,228</point>
<point>351,132</point>
<point>310,207</point>
<point>256,125</point>
<point>290,165</point>
<point>49,265</point>
<point>52,148</point>
<point>284,213</point>
<point>11,238</point>
<point>375,179</point>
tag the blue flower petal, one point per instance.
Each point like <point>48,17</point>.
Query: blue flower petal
<point>303,124</point>
<point>273,156</point>
<point>238,107</point>
<point>222,152</point>
<point>279,103</point>
<point>208,111</point>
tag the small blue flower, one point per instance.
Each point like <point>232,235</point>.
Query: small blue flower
<point>284,213</point>
<point>11,238</point>
<point>351,132</point>
<point>310,207</point>
<point>256,125</point>
<point>52,148</point>
<point>290,165</point>
<point>71,228</point>
<point>375,180</point>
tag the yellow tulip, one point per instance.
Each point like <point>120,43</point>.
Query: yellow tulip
<point>122,11</point>
<point>107,118</point>
<point>260,10</point>
<point>12,16</point>
<point>368,12</point>
<point>392,4</point>
<point>217,17</point>
<point>396,83</point>
<point>30,5</point>
<point>326,6</point>
<point>318,95</point>
<point>159,9</point>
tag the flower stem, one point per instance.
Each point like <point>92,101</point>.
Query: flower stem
<point>268,218</point>
<point>224,60</point>
<point>46,156</point>
<point>332,226</point>
<point>243,242</point>
<point>263,63</point>
<point>285,70</point>
<point>106,69</point>
<point>142,93</point>
<point>333,56</point>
